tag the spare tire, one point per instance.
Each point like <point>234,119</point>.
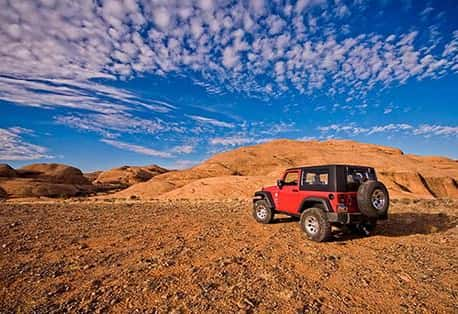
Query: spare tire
<point>373,199</point>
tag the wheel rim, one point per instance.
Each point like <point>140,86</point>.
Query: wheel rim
<point>378,199</point>
<point>311,225</point>
<point>261,212</point>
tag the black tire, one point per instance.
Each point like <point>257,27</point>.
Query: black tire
<point>365,228</point>
<point>373,199</point>
<point>315,224</point>
<point>262,212</point>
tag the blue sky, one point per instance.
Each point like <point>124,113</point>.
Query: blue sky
<point>99,84</point>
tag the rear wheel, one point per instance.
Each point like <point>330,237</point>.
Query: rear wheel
<point>262,212</point>
<point>315,224</point>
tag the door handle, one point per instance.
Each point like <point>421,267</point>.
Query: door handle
<point>295,190</point>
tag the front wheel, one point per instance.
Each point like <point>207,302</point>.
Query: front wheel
<point>315,224</point>
<point>262,212</point>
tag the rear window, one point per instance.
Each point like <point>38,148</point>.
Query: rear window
<point>356,175</point>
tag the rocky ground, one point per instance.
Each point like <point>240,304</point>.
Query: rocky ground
<point>182,256</point>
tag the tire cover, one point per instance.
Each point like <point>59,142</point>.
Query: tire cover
<point>364,198</point>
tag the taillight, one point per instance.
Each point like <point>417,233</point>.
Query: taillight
<point>342,198</point>
<point>342,205</point>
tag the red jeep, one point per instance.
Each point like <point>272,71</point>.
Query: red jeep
<point>323,196</point>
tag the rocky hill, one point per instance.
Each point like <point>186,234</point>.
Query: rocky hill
<point>242,171</point>
<point>49,180</point>
<point>128,175</point>
<point>58,180</point>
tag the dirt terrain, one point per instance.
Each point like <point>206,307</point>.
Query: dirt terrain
<point>211,256</point>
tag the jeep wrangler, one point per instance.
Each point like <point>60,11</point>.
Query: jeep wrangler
<point>325,196</point>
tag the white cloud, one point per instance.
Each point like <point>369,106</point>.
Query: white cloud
<point>436,130</point>
<point>14,147</point>
<point>231,141</point>
<point>137,148</point>
<point>211,121</point>
<point>161,17</point>
<point>425,130</point>
<point>74,95</point>
<point>168,153</point>
<point>275,24</point>
<point>257,5</point>
<point>112,124</point>
<point>183,149</point>
<point>230,57</point>
<point>183,164</point>
<point>303,4</point>
<point>387,110</point>
<point>307,138</point>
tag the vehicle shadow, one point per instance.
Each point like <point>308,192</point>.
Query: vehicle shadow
<point>397,225</point>
<point>403,224</point>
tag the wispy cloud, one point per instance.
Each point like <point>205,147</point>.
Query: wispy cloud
<point>73,94</point>
<point>183,149</point>
<point>239,140</point>
<point>436,130</point>
<point>306,138</point>
<point>113,124</point>
<point>183,164</point>
<point>168,153</point>
<point>211,121</point>
<point>14,147</point>
<point>137,148</point>
<point>231,141</point>
<point>425,130</point>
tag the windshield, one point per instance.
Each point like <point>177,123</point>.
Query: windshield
<point>357,175</point>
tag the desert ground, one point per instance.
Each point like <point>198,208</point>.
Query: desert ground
<point>199,256</point>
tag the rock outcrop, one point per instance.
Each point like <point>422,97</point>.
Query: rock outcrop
<point>7,172</point>
<point>408,176</point>
<point>43,180</point>
<point>54,173</point>
<point>128,175</point>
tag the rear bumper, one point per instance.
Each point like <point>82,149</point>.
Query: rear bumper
<point>346,218</point>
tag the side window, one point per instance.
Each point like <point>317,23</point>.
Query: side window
<point>316,177</point>
<point>291,178</point>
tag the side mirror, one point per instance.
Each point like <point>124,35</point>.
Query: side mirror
<point>280,183</point>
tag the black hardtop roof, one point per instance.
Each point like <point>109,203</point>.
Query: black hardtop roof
<point>327,166</point>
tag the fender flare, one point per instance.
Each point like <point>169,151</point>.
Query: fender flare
<point>265,195</point>
<point>325,202</point>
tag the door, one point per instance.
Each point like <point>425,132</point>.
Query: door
<point>288,195</point>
